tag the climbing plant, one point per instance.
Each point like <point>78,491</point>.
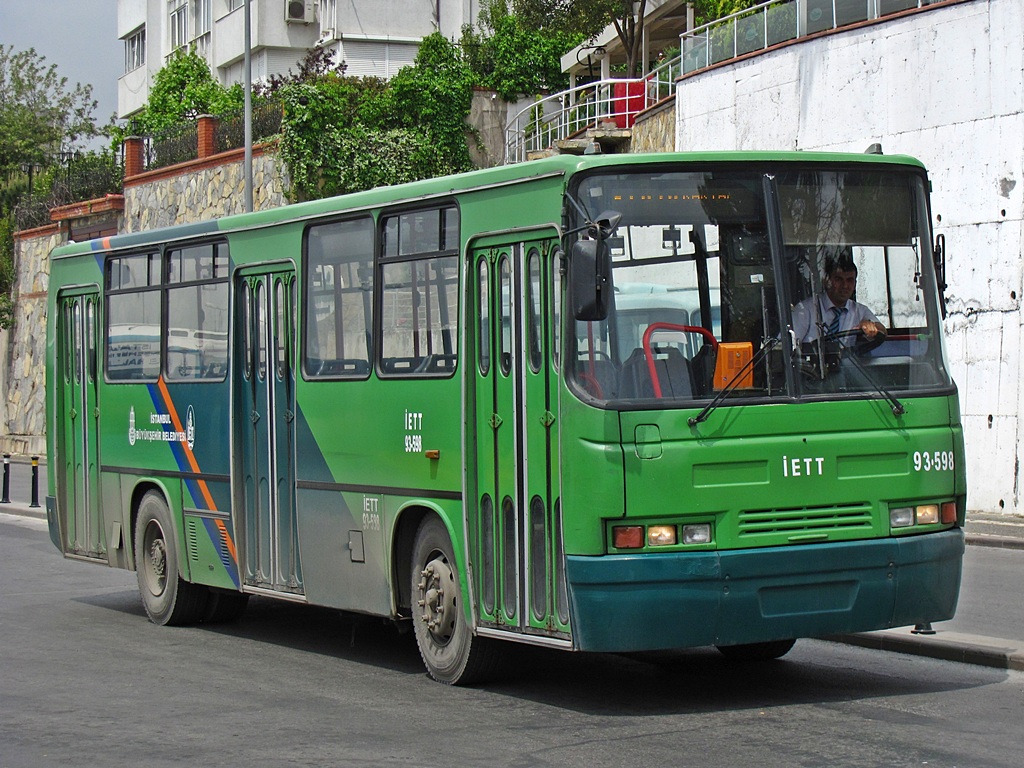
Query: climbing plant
<point>343,134</point>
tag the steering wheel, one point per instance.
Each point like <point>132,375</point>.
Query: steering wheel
<point>862,342</point>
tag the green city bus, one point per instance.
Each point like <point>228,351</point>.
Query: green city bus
<point>579,402</point>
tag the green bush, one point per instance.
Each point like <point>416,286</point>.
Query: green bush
<point>343,134</point>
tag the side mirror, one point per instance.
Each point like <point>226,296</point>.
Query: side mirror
<point>590,267</point>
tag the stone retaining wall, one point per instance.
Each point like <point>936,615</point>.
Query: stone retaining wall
<point>209,188</point>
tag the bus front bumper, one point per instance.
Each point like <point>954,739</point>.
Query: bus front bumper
<point>680,600</point>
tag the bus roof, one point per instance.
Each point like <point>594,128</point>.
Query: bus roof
<point>558,165</point>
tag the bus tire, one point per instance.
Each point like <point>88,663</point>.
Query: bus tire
<point>223,607</point>
<point>167,598</point>
<point>450,651</point>
<point>756,651</point>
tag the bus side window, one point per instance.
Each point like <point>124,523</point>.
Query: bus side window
<point>197,313</point>
<point>133,318</point>
<point>338,319</point>
<point>419,293</point>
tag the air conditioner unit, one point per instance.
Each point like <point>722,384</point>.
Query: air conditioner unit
<point>300,11</point>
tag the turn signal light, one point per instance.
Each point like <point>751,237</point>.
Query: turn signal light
<point>948,512</point>
<point>628,536</point>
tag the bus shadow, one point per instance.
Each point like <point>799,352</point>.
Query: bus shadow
<point>310,629</point>
<point>670,682</point>
<point>701,680</point>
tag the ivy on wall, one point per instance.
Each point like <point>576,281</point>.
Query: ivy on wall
<point>344,134</point>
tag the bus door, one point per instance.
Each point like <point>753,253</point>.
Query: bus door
<point>264,419</point>
<point>515,526</point>
<point>78,480</point>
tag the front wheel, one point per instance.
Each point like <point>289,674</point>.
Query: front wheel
<point>450,651</point>
<point>756,651</point>
<point>167,598</point>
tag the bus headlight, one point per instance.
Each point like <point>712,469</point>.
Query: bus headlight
<point>928,514</point>
<point>901,517</point>
<point>698,533</point>
<point>661,535</point>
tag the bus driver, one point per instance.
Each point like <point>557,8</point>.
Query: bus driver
<point>835,311</point>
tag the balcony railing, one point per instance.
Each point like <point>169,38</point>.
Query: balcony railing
<point>615,103</point>
<point>606,104</point>
<point>778,21</point>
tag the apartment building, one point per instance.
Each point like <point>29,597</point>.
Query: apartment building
<point>373,37</point>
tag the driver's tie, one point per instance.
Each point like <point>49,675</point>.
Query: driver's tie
<point>833,327</point>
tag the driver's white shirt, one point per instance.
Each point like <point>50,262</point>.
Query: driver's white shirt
<point>806,317</point>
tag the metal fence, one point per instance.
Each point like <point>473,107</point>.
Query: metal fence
<point>177,144</point>
<point>75,179</point>
<point>180,143</point>
<point>266,122</point>
<point>778,21</point>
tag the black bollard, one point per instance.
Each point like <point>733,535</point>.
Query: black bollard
<point>35,482</point>
<point>7,480</point>
<point>923,629</point>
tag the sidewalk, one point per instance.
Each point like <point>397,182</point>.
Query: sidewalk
<point>982,530</point>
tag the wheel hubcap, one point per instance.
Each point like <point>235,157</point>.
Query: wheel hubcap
<point>437,600</point>
<point>157,563</point>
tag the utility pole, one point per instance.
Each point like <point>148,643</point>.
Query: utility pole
<point>247,111</point>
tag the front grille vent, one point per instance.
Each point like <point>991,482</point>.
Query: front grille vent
<point>802,521</point>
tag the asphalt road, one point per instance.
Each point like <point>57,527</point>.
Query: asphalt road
<point>85,680</point>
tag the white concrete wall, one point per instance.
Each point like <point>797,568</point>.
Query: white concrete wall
<point>947,86</point>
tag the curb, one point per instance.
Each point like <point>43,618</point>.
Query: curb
<point>993,540</point>
<point>16,508</point>
<point>946,646</point>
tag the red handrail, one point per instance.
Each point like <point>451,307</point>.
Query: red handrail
<point>652,369</point>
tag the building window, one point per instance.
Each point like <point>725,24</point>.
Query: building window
<point>328,18</point>
<point>135,50</point>
<point>202,16</point>
<point>178,23</point>
<point>233,4</point>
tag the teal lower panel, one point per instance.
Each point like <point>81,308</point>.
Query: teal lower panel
<point>680,600</point>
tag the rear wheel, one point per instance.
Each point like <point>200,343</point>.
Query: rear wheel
<point>447,645</point>
<point>167,598</point>
<point>756,651</point>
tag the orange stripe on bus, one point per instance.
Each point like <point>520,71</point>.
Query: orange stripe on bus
<point>176,421</point>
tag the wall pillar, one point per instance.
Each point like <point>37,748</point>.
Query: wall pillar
<point>134,156</point>
<point>207,127</point>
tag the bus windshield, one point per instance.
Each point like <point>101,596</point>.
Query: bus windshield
<point>803,282</point>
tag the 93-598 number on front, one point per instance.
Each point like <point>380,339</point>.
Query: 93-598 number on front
<point>935,461</point>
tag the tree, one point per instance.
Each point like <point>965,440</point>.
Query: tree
<point>516,55</point>
<point>590,17</point>
<point>40,114</point>
<point>182,90</point>
<point>41,118</point>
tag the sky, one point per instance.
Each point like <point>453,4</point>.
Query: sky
<point>79,36</point>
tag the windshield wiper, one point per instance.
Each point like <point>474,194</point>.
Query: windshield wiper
<point>898,409</point>
<point>762,353</point>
